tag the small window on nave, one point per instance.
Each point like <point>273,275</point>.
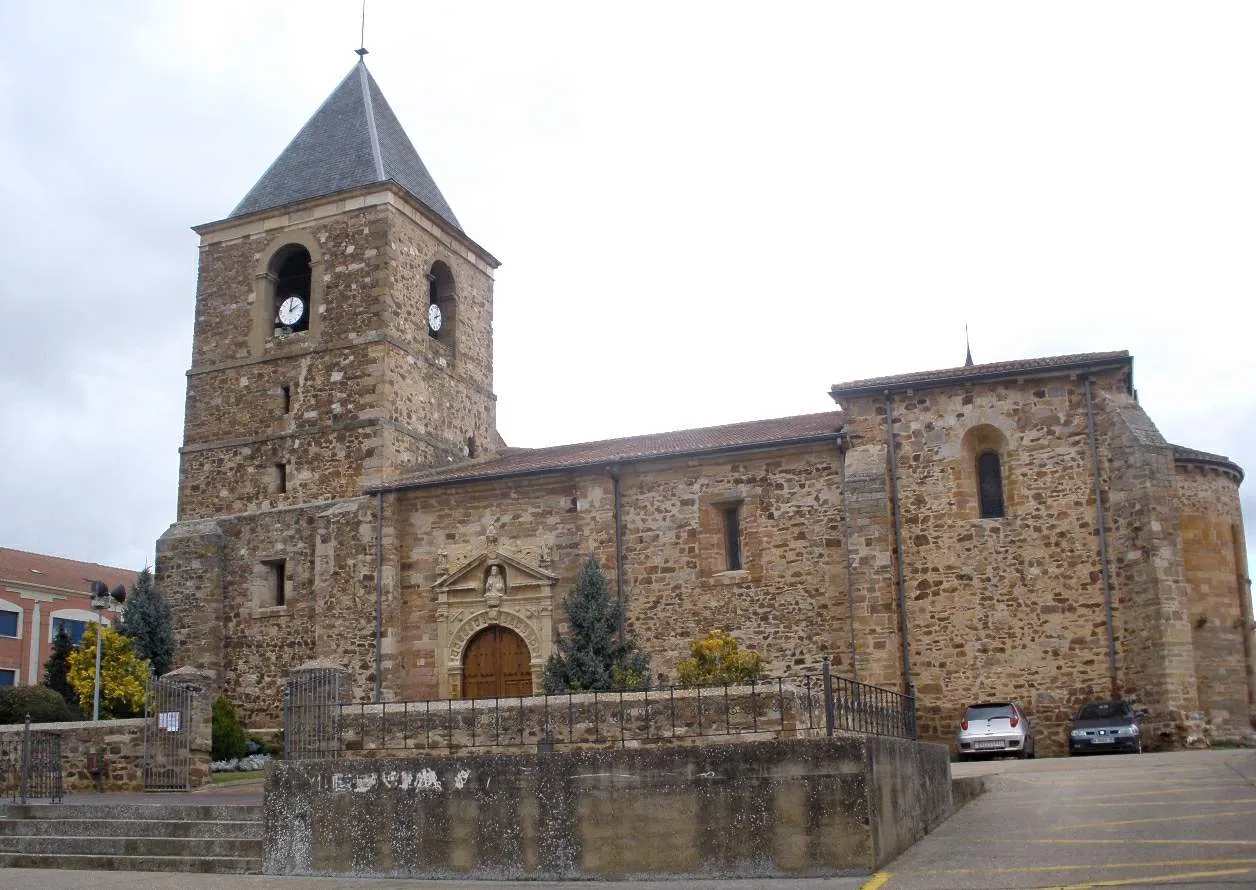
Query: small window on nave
<point>990,485</point>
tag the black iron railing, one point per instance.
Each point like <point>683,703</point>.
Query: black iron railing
<point>319,727</point>
<point>30,766</point>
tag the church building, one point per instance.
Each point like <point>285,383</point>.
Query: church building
<point>1018,530</point>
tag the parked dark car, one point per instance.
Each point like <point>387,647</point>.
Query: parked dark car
<point>1103,727</point>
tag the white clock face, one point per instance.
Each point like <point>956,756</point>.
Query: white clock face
<point>291,310</point>
<point>434,318</point>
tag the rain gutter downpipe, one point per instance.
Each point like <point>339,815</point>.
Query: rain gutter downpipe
<point>379,594</point>
<point>843,445</point>
<point>898,546</point>
<point>619,552</point>
<point>1102,522</point>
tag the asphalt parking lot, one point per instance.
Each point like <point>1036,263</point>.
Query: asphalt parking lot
<point>1181,819</point>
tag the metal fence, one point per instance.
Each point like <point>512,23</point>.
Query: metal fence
<point>318,726</point>
<point>30,767</point>
<point>167,737</point>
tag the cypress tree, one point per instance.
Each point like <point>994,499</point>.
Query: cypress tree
<point>146,621</point>
<point>57,670</point>
<point>590,657</point>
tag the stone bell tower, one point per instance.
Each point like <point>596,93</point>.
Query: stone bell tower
<point>343,334</point>
<point>343,323</point>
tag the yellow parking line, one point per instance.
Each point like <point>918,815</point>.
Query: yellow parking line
<point>1183,842</point>
<point>878,880</point>
<point>1108,802</point>
<point>1111,824</point>
<point>1033,869</point>
<point>1153,879</point>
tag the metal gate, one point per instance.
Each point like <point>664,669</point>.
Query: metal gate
<point>168,737</point>
<point>311,715</point>
<point>30,767</point>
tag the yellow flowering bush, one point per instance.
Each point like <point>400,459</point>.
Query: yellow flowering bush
<point>123,675</point>
<point>716,660</point>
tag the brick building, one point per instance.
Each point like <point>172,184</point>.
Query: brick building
<point>39,595</point>
<point>1024,531</point>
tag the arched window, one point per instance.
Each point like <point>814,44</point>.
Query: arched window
<point>442,307</point>
<point>982,479</point>
<point>290,304</point>
<point>990,485</point>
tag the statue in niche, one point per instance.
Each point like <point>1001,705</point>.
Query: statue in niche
<point>490,537</point>
<point>494,587</point>
<point>546,555</point>
<point>442,560</point>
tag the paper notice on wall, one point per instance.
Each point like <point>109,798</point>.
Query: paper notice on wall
<point>168,720</point>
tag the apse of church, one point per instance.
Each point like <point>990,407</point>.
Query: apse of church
<point>1017,530</point>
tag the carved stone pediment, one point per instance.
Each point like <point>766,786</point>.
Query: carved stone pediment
<point>469,575</point>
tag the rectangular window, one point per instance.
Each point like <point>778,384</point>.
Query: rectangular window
<point>732,536</point>
<point>8,624</point>
<point>285,399</point>
<point>276,570</point>
<point>281,478</point>
<point>73,628</point>
<point>8,677</point>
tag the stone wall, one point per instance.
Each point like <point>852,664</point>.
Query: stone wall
<point>1156,666</point>
<point>836,806</point>
<point>82,743</point>
<point>1214,554</point>
<point>787,602</point>
<point>369,392</point>
<point>1003,608</point>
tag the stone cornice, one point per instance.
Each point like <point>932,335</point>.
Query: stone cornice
<point>364,340</point>
<point>319,430</point>
<point>373,195</point>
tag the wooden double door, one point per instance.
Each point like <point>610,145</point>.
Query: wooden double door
<point>496,664</point>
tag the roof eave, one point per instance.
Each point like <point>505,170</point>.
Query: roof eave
<point>390,184</point>
<point>839,391</point>
<point>1215,461</point>
<point>607,463</point>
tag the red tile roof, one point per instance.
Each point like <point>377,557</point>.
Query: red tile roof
<point>1032,367</point>
<point>730,437</point>
<point>21,567</point>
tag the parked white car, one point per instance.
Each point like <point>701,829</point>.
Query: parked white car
<point>995,729</point>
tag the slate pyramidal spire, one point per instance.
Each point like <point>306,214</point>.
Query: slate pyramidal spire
<point>353,140</point>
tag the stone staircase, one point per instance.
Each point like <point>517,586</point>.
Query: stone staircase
<point>217,838</point>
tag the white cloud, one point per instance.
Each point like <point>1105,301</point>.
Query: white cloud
<point>706,211</point>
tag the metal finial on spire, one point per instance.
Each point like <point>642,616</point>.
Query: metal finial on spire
<point>968,350</point>
<point>362,50</point>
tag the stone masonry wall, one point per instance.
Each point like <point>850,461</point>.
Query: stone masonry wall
<point>1220,604</point>
<point>228,623</point>
<point>1156,667</point>
<point>121,742</point>
<point>369,392</point>
<point>1006,608</point>
<point>787,604</point>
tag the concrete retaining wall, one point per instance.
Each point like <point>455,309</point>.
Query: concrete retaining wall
<point>796,807</point>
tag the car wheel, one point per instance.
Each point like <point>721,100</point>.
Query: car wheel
<point>1024,754</point>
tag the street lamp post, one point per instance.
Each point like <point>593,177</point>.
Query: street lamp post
<point>102,598</point>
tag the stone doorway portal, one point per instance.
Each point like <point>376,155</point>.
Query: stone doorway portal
<point>496,664</point>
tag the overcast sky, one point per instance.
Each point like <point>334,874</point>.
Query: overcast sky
<point>706,212</point>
